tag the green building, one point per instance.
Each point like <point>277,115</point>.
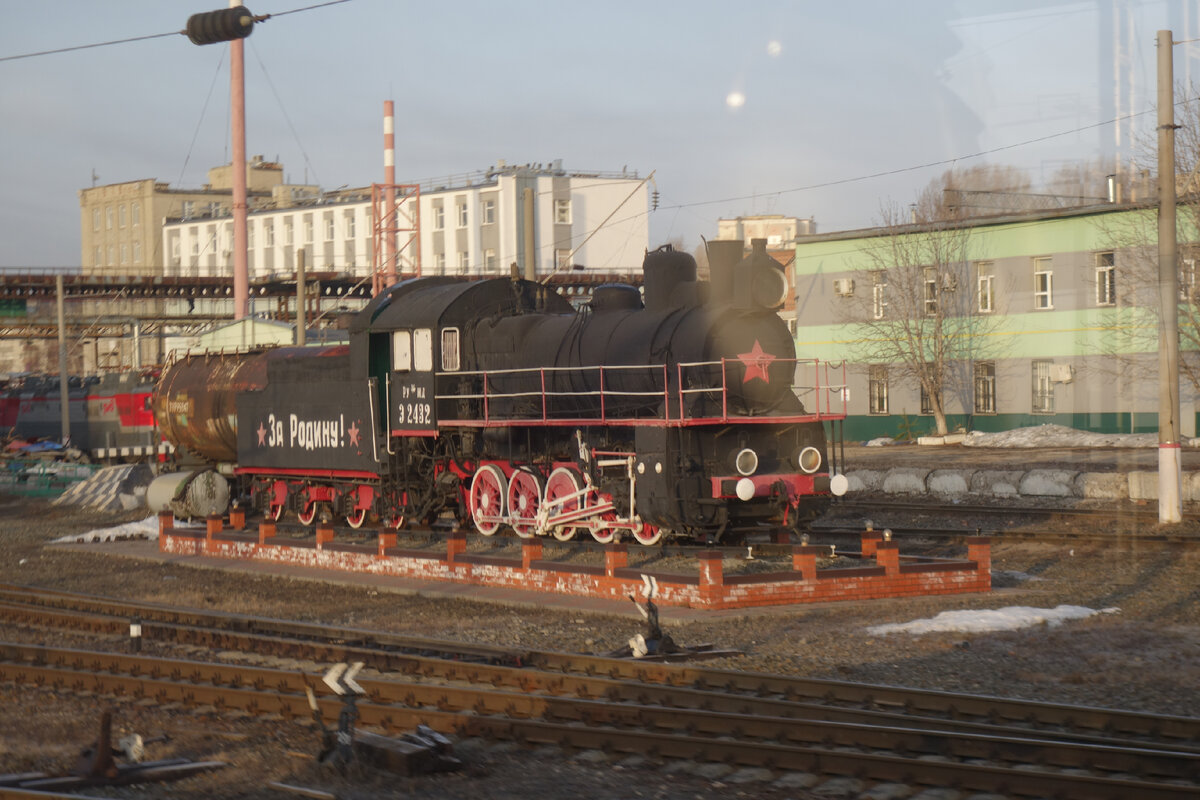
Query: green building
<point>1044,317</point>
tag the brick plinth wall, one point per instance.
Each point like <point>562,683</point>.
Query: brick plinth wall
<point>889,576</point>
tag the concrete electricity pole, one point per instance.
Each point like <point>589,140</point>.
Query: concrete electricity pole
<point>1170,473</point>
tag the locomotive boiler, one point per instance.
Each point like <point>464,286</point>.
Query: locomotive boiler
<point>499,404</point>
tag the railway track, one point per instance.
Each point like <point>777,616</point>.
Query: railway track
<point>575,701</point>
<point>1011,522</point>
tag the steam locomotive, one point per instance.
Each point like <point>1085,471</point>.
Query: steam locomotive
<point>496,402</point>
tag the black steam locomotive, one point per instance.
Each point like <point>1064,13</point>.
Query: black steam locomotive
<point>497,402</point>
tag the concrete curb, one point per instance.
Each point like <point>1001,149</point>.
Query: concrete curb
<point>1139,485</point>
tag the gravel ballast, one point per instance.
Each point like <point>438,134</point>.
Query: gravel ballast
<point>1146,656</point>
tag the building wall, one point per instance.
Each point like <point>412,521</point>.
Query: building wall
<point>456,236</point>
<point>1098,361</point>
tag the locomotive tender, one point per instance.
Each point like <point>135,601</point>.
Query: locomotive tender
<point>496,401</point>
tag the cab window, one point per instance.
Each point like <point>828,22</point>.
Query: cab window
<point>401,351</point>
<point>423,350</point>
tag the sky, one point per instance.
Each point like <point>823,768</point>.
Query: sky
<point>814,109</point>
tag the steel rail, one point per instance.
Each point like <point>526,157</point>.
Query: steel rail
<point>505,715</point>
<point>551,672</point>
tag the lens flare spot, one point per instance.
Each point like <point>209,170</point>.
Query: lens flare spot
<point>735,100</point>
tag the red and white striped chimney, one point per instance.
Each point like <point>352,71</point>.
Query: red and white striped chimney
<point>389,222</point>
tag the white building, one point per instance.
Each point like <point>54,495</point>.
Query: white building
<point>470,224</point>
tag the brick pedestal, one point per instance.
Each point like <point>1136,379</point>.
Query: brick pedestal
<point>616,556</point>
<point>712,575</point>
<point>531,550</point>
<point>266,531</point>
<point>456,545</point>
<point>237,518</point>
<point>887,555</point>
<point>804,560</point>
<point>870,540</point>
<point>324,535</point>
<point>979,550</point>
<point>387,538</point>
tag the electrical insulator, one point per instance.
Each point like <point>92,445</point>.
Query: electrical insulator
<point>654,200</point>
<point>220,26</point>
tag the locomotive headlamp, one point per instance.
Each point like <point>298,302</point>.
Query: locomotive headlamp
<point>745,489</point>
<point>746,462</point>
<point>809,460</point>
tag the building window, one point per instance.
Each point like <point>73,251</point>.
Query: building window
<point>562,259</point>
<point>931,293</point>
<point>350,227</point>
<point>249,236</point>
<point>926,398</point>
<point>878,390</point>
<point>137,214</point>
<point>124,253</point>
<point>450,350</point>
<point>878,297</point>
<point>439,218</point>
<point>308,229</point>
<point>562,212</point>
<point>462,215</point>
<point>1043,388</point>
<point>329,228</point>
<point>175,249</point>
<point>439,261</point>
<point>269,230</point>
<point>108,217</point>
<point>137,252</point>
<point>112,255</point>
<point>287,231</point>
<point>985,387</point>
<point>1187,279</point>
<point>189,208</point>
<point>462,262</point>
<point>489,261</point>
<point>98,257</point>
<point>487,212</point>
<point>95,219</point>
<point>121,215</point>
<point>1043,284</point>
<point>986,288</point>
<point>1106,280</point>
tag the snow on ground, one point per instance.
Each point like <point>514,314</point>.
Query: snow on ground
<point>1001,619</point>
<point>1050,436</point>
<point>146,529</point>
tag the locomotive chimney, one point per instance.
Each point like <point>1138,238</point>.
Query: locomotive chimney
<point>723,258</point>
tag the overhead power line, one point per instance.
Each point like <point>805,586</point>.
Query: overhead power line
<point>260,18</point>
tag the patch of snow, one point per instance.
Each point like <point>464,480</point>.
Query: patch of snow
<point>1050,436</point>
<point>1002,619</point>
<point>881,441</point>
<point>146,529</point>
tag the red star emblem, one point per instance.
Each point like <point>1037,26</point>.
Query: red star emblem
<point>354,432</point>
<point>757,362</point>
<point>262,435</point>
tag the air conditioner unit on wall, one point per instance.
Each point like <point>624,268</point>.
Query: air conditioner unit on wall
<point>843,286</point>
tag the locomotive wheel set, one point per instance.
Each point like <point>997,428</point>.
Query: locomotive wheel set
<point>496,402</point>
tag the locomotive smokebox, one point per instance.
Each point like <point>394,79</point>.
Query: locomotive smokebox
<point>761,280</point>
<point>663,271</point>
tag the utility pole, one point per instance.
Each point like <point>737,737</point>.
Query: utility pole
<point>63,387</point>
<point>232,25</point>
<point>1170,473</point>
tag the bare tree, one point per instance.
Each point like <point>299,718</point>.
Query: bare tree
<point>917,312</point>
<point>1133,236</point>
